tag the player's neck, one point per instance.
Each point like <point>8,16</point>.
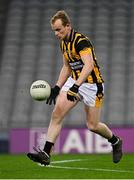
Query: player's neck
<point>68,36</point>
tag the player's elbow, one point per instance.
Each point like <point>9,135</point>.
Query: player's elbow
<point>91,64</point>
<point>90,67</point>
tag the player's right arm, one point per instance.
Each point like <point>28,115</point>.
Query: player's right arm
<point>64,73</point>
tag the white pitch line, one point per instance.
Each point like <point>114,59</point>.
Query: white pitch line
<point>87,169</point>
<point>67,161</point>
<point>91,169</point>
<point>64,161</point>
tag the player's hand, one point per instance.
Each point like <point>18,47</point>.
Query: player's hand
<point>72,93</point>
<point>54,93</point>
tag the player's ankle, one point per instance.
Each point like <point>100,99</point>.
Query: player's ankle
<point>48,147</point>
<point>113,140</point>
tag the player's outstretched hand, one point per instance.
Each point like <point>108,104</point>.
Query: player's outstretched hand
<point>72,94</point>
<point>54,93</point>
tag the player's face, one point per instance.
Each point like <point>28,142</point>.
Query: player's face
<point>61,32</point>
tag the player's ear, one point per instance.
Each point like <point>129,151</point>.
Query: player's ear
<point>68,25</point>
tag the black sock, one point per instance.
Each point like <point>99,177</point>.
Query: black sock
<point>48,147</point>
<point>113,139</point>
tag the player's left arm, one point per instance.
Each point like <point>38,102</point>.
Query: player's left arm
<point>85,51</point>
<point>88,62</point>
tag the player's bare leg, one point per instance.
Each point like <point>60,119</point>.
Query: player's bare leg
<point>61,108</point>
<point>94,124</point>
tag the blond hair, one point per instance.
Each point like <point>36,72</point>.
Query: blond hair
<point>61,15</point>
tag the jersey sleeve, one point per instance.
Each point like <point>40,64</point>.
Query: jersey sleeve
<point>84,47</point>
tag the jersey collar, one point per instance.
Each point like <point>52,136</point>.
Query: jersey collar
<point>70,37</point>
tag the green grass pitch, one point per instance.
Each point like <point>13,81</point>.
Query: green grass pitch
<point>67,166</point>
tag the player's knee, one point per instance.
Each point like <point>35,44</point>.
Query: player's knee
<point>57,114</point>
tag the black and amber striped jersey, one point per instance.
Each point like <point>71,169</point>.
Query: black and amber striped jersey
<point>72,50</point>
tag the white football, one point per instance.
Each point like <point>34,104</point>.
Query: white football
<point>40,90</point>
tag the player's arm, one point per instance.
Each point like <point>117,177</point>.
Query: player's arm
<point>85,52</point>
<point>64,73</point>
<point>88,62</point>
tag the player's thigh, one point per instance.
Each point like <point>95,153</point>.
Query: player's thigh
<point>92,115</point>
<point>63,105</point>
